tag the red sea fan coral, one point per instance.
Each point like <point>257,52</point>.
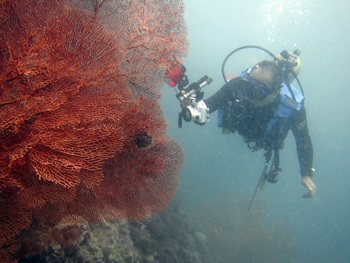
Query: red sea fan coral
<point>81,132</point>
<point>40,103</point>
<point>138,181</point>
<point>142,180</point>
<point>147,186</point>
<point>151,35</point>
<point>91,119</point>
<point>14,216</point>
<point>62,97</point>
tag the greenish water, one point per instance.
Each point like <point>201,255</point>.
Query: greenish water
<point>220,173</point>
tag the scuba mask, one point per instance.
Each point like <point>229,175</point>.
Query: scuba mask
<point>269,93</point>
<point>258,84</point>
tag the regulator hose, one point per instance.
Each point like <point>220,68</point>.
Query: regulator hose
<point>263,49</point>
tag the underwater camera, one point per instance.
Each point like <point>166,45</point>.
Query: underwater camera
<point>190,98</point>
<point>193,107</point>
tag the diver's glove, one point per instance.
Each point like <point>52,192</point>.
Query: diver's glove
<point>309,185</point>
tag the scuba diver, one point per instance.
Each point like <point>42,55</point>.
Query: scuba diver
<point>262,105</point>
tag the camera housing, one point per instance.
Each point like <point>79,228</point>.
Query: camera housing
<point>190,98</point>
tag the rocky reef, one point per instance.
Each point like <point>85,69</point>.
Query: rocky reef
<point>163,238</point>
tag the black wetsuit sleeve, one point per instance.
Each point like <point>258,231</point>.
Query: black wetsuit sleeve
<point>219,98</point>
<point>303,142</point>
<point>227,92</point>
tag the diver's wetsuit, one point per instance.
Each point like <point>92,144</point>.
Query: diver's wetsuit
<point>260,116</point>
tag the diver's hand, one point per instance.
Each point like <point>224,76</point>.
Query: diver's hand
<point>309,185</point>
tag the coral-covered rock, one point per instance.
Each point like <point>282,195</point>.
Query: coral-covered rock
<point>126,242</point>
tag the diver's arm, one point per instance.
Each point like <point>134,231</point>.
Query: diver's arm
<point>304,150</point>
<point>227,91</point>
<point>303,142</point>
<point>218,99</point>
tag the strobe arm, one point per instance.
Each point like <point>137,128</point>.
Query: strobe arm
<point>185,96</point>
